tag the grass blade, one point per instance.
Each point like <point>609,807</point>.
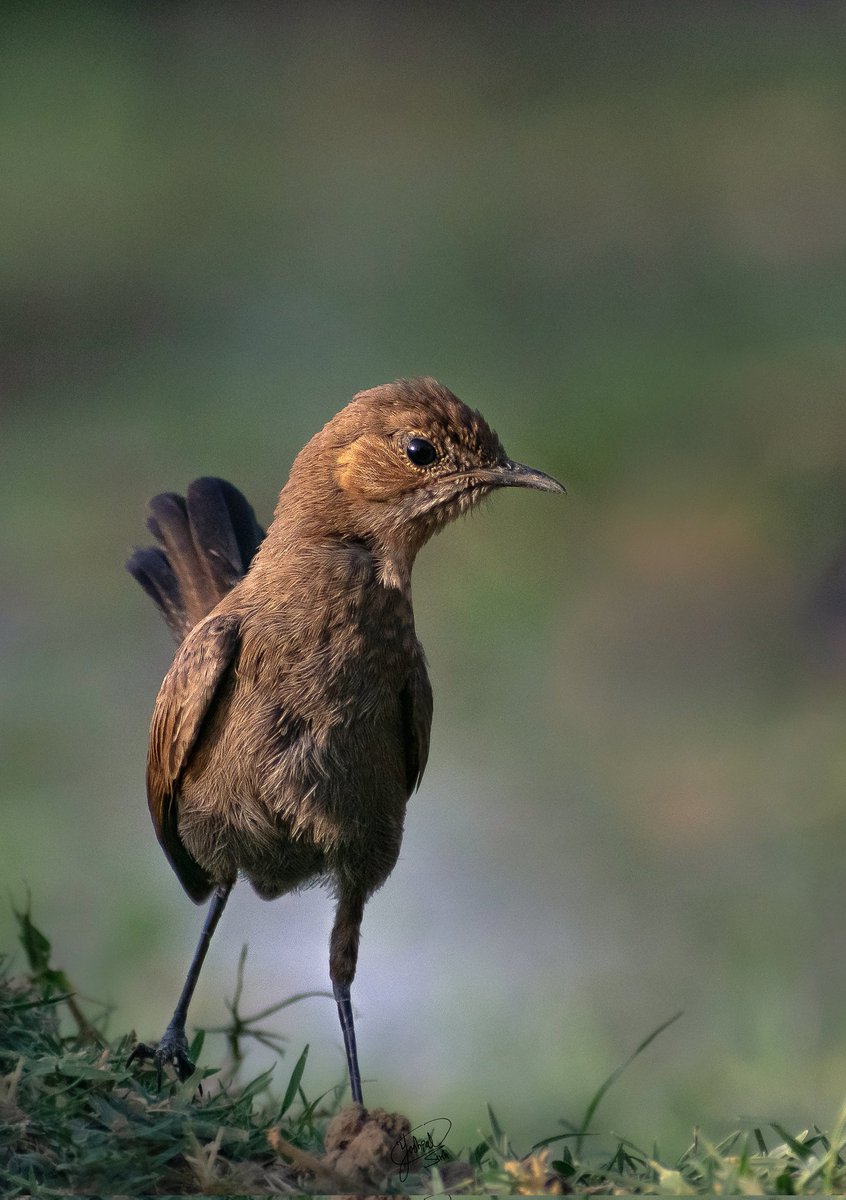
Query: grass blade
<point>293,1083</point>
<point>496,1128</point>
<point>615,1075</point>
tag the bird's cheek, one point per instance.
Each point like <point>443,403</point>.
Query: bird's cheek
<point>368,470</point>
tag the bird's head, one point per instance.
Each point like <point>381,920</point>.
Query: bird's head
<point>404,459</point>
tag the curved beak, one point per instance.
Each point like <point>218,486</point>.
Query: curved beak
<point>512,474</point>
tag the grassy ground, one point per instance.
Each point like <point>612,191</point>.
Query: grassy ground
<point>74,1119</point>
<point>618,230</point>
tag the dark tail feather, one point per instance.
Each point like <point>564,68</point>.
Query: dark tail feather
<point>208,542</point>
<point>152,570</point>
<point>168,521</point>
<point>224,524</point>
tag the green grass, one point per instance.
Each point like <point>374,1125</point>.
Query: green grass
<point>74,1119</point>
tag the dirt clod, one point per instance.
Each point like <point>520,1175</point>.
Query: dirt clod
<point>360,1142</point>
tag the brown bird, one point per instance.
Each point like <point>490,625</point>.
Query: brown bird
<point>294,722</point>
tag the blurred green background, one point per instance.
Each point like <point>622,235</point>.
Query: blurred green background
<point>618,230</point>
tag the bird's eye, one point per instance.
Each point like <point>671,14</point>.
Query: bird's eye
<point>421,452</point>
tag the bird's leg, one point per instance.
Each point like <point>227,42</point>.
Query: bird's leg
<point>172,1050</point>
<point>343,954</point>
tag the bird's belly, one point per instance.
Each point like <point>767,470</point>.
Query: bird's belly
<point>232,832</point>
<point>285,815</point>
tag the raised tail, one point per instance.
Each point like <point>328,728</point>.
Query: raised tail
<point>207,540</point>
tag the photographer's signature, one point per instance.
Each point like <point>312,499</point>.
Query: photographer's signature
<point>422,1146</point>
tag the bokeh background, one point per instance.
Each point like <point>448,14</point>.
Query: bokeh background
<point>621,232</point>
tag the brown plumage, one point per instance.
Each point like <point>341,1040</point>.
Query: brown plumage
<point>294,722</point>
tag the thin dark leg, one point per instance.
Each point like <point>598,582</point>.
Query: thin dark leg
<point>172,1050</point>
<point>218,903</point>
<point>343,955</point>
<point>342,996</point>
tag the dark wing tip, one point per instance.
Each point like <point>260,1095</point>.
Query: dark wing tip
<point>190,874</point>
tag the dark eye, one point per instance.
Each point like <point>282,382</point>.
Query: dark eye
<point>421,452</point>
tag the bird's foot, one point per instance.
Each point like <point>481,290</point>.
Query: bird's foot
<point>172,1051</point>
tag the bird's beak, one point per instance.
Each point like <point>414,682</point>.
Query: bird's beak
<point>512,474</point>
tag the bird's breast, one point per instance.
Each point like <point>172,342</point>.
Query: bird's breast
<point>324,682</point>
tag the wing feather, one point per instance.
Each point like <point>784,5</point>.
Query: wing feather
<point>416,704</point>
<point>184,701</point>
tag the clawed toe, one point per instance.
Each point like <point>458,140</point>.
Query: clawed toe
<point>172,1051</point>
